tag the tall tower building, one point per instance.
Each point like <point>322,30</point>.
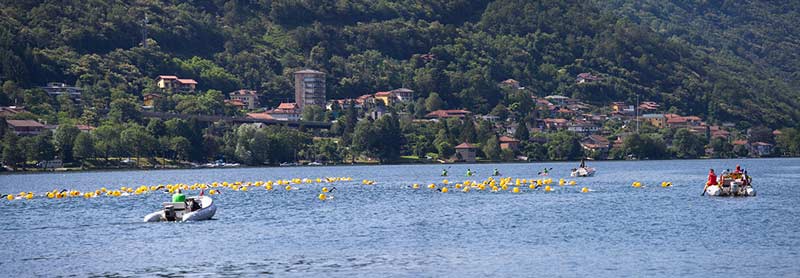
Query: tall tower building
<point>309,88</point>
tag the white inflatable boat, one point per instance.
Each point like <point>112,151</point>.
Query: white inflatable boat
<point>194,209</point>
<point>583,172</point>
<point>731,188</point>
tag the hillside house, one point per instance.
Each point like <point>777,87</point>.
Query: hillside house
<point>56,89</point>
<point>466,152</point>
<point>586,78</point>
<point>509,143</point>
<point>403,94</point>
<point>175,84</point>
<point>25,127</point>
<point>287,111</point>
<point>247,97</point>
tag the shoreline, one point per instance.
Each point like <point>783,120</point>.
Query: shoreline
<point>93,170</point>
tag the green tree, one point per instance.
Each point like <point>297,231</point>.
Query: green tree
<point>687,144</point>
<point>181,147</point>
<point>64,140</point>
<point>138,141</point>
<point>433,102</point>
<point>468,132</point>
<point>12,154</point>
<point>123,110</point>
<point>84,147</point>
<point>564,146</point>
<point>521,133</point>
<point>722,148</point>
<point>107,141</point>
<point>492,148</point>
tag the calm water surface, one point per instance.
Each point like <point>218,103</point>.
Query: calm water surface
<point>391,230</point>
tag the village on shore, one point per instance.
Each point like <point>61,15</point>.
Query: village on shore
<point>524,126</point>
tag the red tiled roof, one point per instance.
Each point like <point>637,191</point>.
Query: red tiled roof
<point>24,123</point>
<point>260,116</point>
<point>187,81</point>
<point>740,142</point>
<point>287,106</point>
<point>466,146</point>
<point>676,120</point>
<point>235,102</point>
<point>558,121</point>
<point>506,139</point>
<point>85,127</point>
<point>448,114</point>
<point>243,92</point>
<point>383,94</point>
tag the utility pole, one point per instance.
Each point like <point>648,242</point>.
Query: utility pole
<point>636,110</point>
<point>144,31</point>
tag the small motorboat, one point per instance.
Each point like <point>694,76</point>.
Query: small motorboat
<point>583,172</point>
<point>194,209</point>
<point>735,188</point>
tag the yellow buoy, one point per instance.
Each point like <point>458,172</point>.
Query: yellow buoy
<point>637,184</point>
<point>572,183</point>
<point>324,189</point>
<point>322,197</point>
<point>547,188</point>
<point>415,186</point>
<point>10,197</point>
<point>50,195</point>
<point>584,190</point>
<point>288,187</point>
<point>515,190</point>
<point>432,186</point>
<point>29,196</point>
<point>444,189</point>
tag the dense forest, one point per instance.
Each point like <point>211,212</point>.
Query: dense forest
<point>732,63</point>
<point>721,60</point>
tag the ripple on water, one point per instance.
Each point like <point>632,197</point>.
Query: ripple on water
<point>388,230</point>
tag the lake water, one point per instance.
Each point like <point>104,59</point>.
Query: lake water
<point>389,229</point>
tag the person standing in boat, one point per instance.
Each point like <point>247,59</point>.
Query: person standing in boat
<point>583,163</point>
<point>178,197</point>
<point>496,172</point>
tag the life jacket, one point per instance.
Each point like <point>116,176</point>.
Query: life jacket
<point>712,179</point>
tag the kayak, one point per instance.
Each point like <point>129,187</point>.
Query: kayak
<point>733,188</point>
<point>583,172</point>
<point>194,209</point>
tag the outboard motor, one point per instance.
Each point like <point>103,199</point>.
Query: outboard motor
<point>169,213</point>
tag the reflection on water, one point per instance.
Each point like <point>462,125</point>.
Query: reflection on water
<point>389,229</point>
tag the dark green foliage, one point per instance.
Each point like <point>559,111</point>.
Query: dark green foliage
<point>687,144</point>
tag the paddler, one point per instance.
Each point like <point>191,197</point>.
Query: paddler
<point>469,172</point>
<point>444,172</point>
<point>583,163</point>
<point>496,172</point>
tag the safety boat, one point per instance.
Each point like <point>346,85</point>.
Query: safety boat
<point>736,188</point>
<point>193,209</point>
<point>583,172</point>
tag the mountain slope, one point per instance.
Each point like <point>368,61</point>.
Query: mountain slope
<point>734,63</point>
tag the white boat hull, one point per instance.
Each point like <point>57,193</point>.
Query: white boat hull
<point>583,172</point>
<point>206,211</point>
<point>733,190</point>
